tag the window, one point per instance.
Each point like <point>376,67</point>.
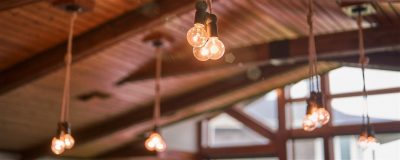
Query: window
<point>225,131</point>
<point>345,148</point>
<point>382,108</point>
<point>375,79</point>
<point>264,110</point>
<point>295,112</point>
<point>299,90</point>
<point>305,149</point>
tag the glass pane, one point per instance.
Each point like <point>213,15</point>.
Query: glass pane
<point>294,114</point>
<point>225,131</point>
<point>305,149</point>
<point>346,148</point>
<point>375,79</point>
<point>382,108</point>
<point>299,90</point>
<point>264,110</point>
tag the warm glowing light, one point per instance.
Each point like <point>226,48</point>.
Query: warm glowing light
<point>155,143</point>
<point>68,141</point>
<point>323,116</point>
<point>367,141</point>
<point>57,146</point>
<point>215,48</point>
<point>201,53</point>
<point>197,35</point>
<point>310,122</point>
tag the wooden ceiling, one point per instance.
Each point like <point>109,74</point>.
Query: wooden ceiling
<point>109,47</point>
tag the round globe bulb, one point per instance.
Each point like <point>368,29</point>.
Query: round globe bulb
<point>201,53</point>
<point>310,122</point>
<point>197,35</point>
<point>57,146</point>
<point>372,142</point>
<point>155,143</point>
<point>68,141</point>
<point>362,141</point>
<point>323,116</point>
<point>215,48</point>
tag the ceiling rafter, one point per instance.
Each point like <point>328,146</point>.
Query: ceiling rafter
<point>378,40</point>
<point>223,94</point>
<point>251,123</point>
<point>90,43</point>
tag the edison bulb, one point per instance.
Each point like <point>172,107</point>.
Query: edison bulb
<point>57,146</point>
<point>197,35</point>
<point>372,142</point>
<point>363,140</point>
<point>310,122</point>
<point>68,141</point>
<point>215,48</point>
<point>323,116</point>
<point>201,53</point>
<point>155,143</point>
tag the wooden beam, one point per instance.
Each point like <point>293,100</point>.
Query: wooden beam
<point>144,113</point>
<point>10,4</point>
<point>282,135</point>
<point>385,127</point>
<point>90,43</point>
<point>251,123</point>
<point>377,40</point>
<point>227,93</point>
<point>245,151</point>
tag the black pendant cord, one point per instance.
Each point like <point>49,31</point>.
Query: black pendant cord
<point>67,83</point>
<point>157,102</point>
<point>312,58</point>
<point>363,61</point>
<point>210,6</point>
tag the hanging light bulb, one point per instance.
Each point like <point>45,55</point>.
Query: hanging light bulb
<point>68,141</point>
<point>57,146</point>
<point>215,47</point>
<point>323,115</point>
<point>155,142</point>
<point>197,35</point>
<point>363,140</point>
<point>63,140</point>
<point>310,121</point>
<point>201,53</point>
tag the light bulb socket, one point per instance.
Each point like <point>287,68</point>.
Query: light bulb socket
<point>201,5</point>
<point>157,43</point>
<point>320,100</point>
<point>212,26</point>
<point>200,17</point>
<point>63,128</point>
<point>201,13</point>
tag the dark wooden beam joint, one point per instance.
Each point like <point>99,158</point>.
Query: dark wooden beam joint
<point>74,5</point>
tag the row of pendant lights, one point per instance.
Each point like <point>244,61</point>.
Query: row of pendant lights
<point>206,45</point>
<point>316,114</point>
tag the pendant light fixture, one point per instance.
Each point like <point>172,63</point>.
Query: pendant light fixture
<point>316,113</point>
<point>63,139</point>
<point>206,44</point>
<point>155,142</point>
<point>367,136</point>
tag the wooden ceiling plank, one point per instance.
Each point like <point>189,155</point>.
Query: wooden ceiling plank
<point>10,4</point>
<point>89,43</point>
<point>346,44</point>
